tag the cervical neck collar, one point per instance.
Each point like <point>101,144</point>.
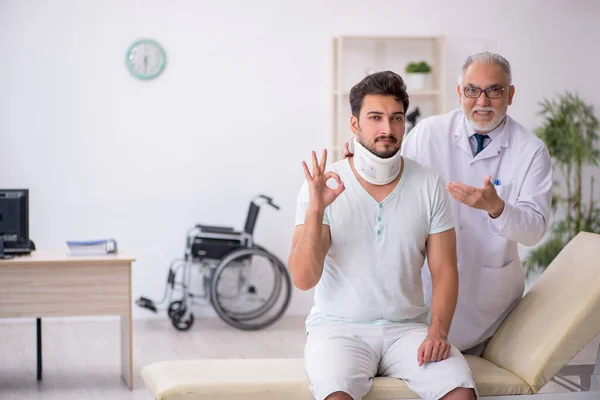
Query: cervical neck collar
<point>373,169</point>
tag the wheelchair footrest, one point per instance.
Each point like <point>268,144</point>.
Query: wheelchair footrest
<point>146,303</point>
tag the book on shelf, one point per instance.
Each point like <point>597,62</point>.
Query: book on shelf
<point>91,247</point>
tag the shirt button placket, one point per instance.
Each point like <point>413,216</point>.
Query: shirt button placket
<point>379,223</point>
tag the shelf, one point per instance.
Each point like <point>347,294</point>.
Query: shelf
<point>391,37</point>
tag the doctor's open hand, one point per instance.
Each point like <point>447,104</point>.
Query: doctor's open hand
<point>485,198</point>
<point>321,195</point>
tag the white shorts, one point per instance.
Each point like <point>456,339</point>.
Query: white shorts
<point>346,357</point>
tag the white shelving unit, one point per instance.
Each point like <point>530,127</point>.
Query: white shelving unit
<point>354,57</point>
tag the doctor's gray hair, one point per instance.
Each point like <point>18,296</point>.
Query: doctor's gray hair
<point>487,58</point>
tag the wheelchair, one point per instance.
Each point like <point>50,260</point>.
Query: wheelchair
<point>248,287</point>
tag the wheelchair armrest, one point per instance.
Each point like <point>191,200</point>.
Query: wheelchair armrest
<point>215,229</point>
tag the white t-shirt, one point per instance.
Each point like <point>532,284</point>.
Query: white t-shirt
<point>372,272</point>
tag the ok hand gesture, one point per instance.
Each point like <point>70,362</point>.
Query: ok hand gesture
<point>321,195</point>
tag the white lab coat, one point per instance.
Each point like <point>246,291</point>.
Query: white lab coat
<point>491,278</point>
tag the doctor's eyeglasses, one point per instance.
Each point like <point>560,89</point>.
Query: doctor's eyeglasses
<point>493,92</point>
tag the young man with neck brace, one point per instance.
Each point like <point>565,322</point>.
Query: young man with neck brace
<point>500,178</point>
<point>361,243</point>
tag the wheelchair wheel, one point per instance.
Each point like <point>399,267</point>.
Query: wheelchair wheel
<point>248,313</point>
<point>174,307</point>
<point>182,324</point>
<point>177,315</point>
<point>250,289</point>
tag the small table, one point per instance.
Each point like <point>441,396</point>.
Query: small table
<point>52,284</point>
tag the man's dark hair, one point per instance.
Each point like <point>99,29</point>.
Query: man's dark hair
<point>383,83</point>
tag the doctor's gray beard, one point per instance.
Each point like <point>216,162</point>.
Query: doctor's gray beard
<point>486,127</point>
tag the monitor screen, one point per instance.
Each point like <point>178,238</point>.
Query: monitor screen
<point>14,221</point>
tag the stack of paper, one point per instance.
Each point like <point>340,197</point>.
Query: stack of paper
<point>91,247</point>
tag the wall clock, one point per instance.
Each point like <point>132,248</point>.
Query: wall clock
<point>145,59</point>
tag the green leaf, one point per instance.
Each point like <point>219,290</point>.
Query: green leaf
<point>570,131</point>
<point>417,67</point>
<point>540,257</point>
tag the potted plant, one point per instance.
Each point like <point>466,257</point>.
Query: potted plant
<point>570,130</point>
<point>417,74</point>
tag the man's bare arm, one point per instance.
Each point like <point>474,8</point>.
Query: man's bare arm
<point>310,245</point>
<point>441,257</point>
<point>312,239</point>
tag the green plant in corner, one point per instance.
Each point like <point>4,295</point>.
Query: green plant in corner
<point>417,67</point>
<point>570,130</point>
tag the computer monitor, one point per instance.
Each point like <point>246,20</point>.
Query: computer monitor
<point>14,223</point>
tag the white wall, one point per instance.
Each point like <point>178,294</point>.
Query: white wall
<point>243,100</point>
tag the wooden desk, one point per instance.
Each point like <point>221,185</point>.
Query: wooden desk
<point>52,284</point>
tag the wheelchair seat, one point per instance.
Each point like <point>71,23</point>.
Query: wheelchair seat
<point>214,242</point>
<point>215,229</point>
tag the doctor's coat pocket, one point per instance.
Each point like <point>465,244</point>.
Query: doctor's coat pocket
<point>498,287</point>
<point>504,191</point>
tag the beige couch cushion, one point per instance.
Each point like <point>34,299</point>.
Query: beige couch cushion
<point>286,379</point>
<point>557,317</point>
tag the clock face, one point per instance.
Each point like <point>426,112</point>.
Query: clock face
<point>145,59</point>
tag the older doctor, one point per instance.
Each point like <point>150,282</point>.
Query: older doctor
<point>500,178</point>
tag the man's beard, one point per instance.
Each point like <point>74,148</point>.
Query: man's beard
<point>484,127</point>
<point>386,153</point>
